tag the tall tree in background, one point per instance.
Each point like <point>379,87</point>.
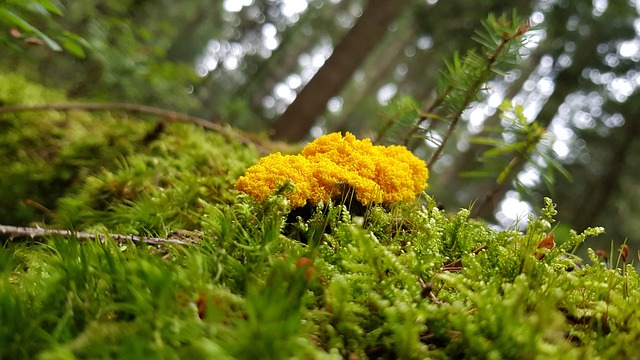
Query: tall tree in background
<point>347,56</point>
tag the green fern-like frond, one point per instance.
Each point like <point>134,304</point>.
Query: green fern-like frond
<point>463,77</point>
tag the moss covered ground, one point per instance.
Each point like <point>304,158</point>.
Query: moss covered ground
<point>255,281</point>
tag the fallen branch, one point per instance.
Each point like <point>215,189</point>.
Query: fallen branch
<point>37,232</point>
<point>164,113</point>
<point>171,115</point>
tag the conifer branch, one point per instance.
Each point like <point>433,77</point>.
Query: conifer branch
<point>37,232</point>
<point>527,142</point>
<point>473,72</point>
<point>427,115</point>
<point>498,189</point>
<point>464,76</point>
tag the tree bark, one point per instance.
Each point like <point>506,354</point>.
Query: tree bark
<point>378,69</point>
<point>348,55</point>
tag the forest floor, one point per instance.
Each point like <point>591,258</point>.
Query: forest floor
<point>156,255</point>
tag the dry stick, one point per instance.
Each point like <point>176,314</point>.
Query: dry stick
<point>171,115</point>
<point>168,114</point>
<point>40,232</point>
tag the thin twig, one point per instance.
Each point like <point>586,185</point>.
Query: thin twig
<point>171,115</point>
<point>138,108</point>
<point>456,265</point>
<point>427,115</point>
<point>427,291</point>
<point>36,232</point>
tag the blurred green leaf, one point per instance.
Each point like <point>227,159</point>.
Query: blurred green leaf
<point>555,164</point>
<point>482,173</point>
<point>486,141</point>
<point>15,19</point>
<point>50,7</point>
<point>74,44</point>
<point>504,149</point>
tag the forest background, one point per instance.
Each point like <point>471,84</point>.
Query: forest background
<point>245,63</point>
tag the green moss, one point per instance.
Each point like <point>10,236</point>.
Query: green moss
<point>406,281</point>
<point>90,168</point>
<point>161,189</point>
<point>45,153</point>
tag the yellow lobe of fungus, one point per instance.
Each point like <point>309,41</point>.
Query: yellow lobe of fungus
<point>272,172</point>
<point>377,174</point>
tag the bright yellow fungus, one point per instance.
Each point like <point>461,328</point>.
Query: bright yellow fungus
<point>377,174</point>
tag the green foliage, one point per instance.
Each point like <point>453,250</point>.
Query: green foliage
<point>459,85</point>
<point>44,153</point>
<point>397,117</point>
<point>158,190</point>
<point>520,142</point>
<point>461,81</point>
<point>10,14</point>
<point>439,286</point>
<point>123,171</point>
<point>500,43</point>
<point>120,50</point>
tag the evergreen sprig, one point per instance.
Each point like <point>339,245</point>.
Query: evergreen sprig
<point>511,146</point>
<point>463,77</point>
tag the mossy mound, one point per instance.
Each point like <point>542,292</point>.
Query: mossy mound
<point>403,281</point>
<point>78,168</point>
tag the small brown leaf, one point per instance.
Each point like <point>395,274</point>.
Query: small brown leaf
<point>309,270</point>
<point>304,262</point>
<point>524,28</point>
<point>201,303</point>
<point>603,254</point>
<point>546,243</point>
<point>33,41</point>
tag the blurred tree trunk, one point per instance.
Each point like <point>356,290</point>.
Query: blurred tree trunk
<point>347,56</point>
<point>297,39</point>
<point>377,69</point>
